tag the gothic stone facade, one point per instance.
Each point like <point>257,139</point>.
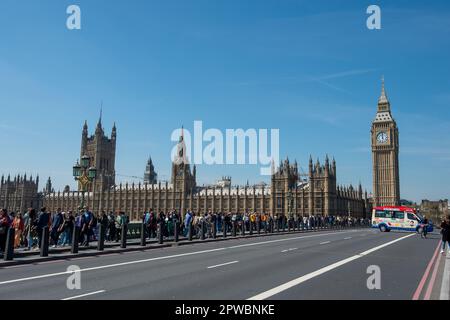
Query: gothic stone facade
<point>19,193</point>
<point>287,194</point>
<point>102,153</point>
<point>385,150</point>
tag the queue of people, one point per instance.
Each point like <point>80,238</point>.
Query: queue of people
<point>29,226</point>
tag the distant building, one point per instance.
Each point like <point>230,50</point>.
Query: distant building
<point>20,193</point>
<point>407,203</point>
<point>287,194</point>
<point>150,176</point>
<point>435,209</point>
<point>101,151</point>
<point>385,150</point>
<point>225,182</point>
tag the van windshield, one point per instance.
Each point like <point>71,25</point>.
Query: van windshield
<point>399,215</point>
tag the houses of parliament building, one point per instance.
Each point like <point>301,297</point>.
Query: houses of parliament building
<point>289,193</point>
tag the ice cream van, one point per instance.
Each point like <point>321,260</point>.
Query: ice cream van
<point>398,218</point>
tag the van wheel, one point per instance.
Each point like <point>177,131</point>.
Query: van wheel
<point>383,228</point>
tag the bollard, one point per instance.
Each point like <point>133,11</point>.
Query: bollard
<point>243,229</point>
<point>283,224</point>
<point>214,230</point>
<point>176,231</point>
<point>258,226</point>
<point>101,238</point>
<point>160,233</point>
<point>289,225</point>
<point>277,225</point>
<point>190,232</point>
<point>143,235</point>
<point>9,249</point>
<point>123,236</point>
<point>203,227</point>
<point>224,234</point>
<point>233,229</point>
<point>75,240</point>
<point>251,228</point>
<point>271,226</point>
<point>44,242</point>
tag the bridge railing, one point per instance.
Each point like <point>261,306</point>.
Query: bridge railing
<point>142,235</point>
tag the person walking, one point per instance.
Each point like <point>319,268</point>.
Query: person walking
<point>120,221</point>
<point>19,227</point>
<point>4,226</point>
<point>445,232</point>
<point>187,222</point>
<point>111,227</point>
<point>30,228</point>
<point>86,225</point>
<point>55,231</point>
<point>66,229</point>
<point>424,233</point>
<point>42,222</point>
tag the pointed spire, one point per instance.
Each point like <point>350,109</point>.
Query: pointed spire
<point>85,129</point>
<point>383,97</point>
<point>99,128</point>
<point>101,115</point>
<point>114,130</point>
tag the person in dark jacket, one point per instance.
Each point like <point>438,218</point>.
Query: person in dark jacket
<point>86,227</point>
<point>424,228</point>
<point>42,222</point>
<point>55,231</point>
<point>445,231</point>
<point>67,229</point>
<point>4,227</point>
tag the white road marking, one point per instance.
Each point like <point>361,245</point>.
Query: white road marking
<point>348,238</point>
<point>223,264</point>
<point>83,295</point>
<point>168,257</point>
<point>445,288</point>
<point>289,250</point>
<point>300,280</point>
<point>326,242</point>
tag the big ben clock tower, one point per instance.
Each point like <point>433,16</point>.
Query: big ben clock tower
<point>385,148</point>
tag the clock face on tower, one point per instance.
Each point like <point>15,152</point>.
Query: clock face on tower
<point>382,137</point>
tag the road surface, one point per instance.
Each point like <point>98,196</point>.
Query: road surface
<point>319,265</point>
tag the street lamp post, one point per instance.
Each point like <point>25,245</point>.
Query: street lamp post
<point>289,197</point>
<point>84,175</point>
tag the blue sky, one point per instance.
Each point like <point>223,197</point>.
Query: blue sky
<point>310,68</point>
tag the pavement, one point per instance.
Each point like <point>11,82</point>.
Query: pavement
<point>327,265</point>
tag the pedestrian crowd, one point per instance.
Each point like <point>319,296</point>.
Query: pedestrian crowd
<point>30,225</point>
